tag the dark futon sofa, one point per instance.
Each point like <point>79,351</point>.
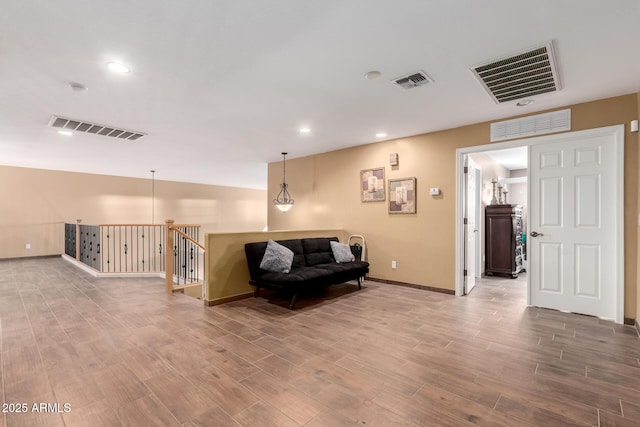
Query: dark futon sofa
<point>313,265</point>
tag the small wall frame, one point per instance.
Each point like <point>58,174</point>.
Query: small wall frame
<point>402,196</point>
<point>372,185</point>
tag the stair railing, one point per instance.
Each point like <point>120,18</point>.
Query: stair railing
<point>172,249</point>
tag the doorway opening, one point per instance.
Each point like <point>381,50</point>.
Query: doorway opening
<point>494,178</point>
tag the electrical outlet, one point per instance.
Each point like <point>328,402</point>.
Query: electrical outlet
<point>394,265</point>
<point>27,246</point>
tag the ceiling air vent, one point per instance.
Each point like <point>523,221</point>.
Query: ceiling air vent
<point>523,75</point>
<point>413,80</point>
<point>539,124</point>
<point>87,127</point>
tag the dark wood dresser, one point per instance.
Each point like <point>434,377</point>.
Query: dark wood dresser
<point>503,240</point>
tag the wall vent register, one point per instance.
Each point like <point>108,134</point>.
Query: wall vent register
<point>94,128</point>
<point>539,124</point>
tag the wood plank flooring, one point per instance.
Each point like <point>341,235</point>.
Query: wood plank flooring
<point>121,352</point>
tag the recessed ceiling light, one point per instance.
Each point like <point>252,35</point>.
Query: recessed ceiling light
<point>305,130</point>
<point>372,75</point>
<point>525,102</point>
<point>117,67</point>
<point>380,135</point>
<point>65,132</point>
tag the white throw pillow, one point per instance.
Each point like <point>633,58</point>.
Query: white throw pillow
<point>277,258</point>
<point>342,252</point>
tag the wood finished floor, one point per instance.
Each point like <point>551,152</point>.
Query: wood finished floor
<point>121,352</point>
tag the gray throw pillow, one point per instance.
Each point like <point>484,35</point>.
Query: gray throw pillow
<point>277,258</point>
<point>342,252</point>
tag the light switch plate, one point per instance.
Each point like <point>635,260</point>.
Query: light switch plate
<point>434,191</point>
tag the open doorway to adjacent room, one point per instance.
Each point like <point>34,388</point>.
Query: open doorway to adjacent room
<point>496,177</point>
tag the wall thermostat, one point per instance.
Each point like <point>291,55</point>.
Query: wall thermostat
<point>434,191</point>
<point>393,159</point>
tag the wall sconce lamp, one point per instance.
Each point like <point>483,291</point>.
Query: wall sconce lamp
<point>283,201</point>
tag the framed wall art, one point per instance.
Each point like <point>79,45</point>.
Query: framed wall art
<point>372,185</point>
<point>402,196</point>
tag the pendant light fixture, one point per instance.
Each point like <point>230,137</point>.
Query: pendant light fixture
<point>283,201</point>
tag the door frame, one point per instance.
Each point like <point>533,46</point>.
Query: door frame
<point>616,130</point>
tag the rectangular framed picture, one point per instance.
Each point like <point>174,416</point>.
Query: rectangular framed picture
<point>402,196</point>
<point>372,185</point>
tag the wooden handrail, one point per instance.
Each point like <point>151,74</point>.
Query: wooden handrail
<point>174,228</point>
<point>147,225</point>
<point>130,225</point>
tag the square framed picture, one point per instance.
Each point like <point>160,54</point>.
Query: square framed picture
<point>372,185</point>
<point>402,196</point>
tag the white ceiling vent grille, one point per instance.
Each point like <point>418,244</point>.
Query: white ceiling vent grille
<point>539,124</point>
<point>528,73</point>
<point>87,127</point>
<point>410,81</point>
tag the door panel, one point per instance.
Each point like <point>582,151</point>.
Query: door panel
<point>551,267</point>
<point>587,272</point>
<point>588,201</point>
<point>551,212</point>
<point>575,258</point>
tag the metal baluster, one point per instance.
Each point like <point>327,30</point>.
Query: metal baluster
<point>175,258</point>
<point>137,247</point>
<point>126,249</point>
<point>162,249</point>
<point>183,258</point>
<point>108,248</point>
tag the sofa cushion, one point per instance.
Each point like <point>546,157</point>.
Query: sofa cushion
<point>310,275</point>
<point>298,255</point>
<point>277,258</point>
<point>341,252</point>
<point>318,250</point>
<point>346,271</point>
<point>344,267</point>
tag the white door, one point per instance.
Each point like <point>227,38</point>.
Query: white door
<point>575,223</point>
<point>471,229</point>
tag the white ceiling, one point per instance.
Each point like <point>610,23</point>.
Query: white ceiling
<point>222,87</point>
<point>511,158</point>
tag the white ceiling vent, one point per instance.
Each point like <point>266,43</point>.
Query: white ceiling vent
<point>539,124</point>
<point>88,127</point>
<point>525,74</point>
<point>412,80</point>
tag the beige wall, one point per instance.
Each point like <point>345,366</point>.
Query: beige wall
<point>35,203</point>
<point>326,190</point>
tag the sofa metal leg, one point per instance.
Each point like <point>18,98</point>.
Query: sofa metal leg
<point>359,285</point>
<point>293,301</point>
